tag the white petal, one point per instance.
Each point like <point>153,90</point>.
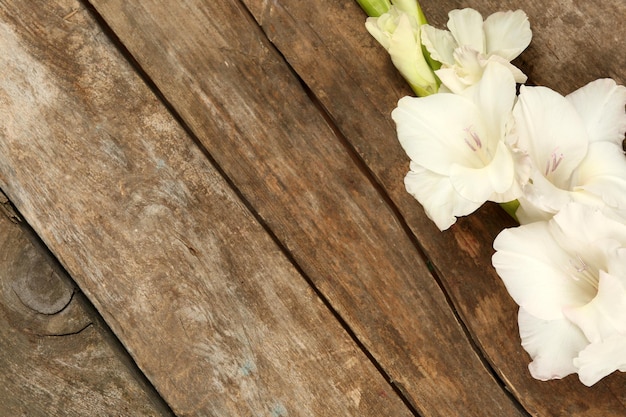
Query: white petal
<point>501,171</point>
<point>466,26</point>
<point>603,173</point>
<point>601,106</point>
<point>616,264</point>
<point>471,183</point>
<point>439,199</point>
<point>467,70</point>
<point>507,34</point>
<point>494,96</point>
<point>536,271</point>
<point>600,359</point>
<point>468,60</point>
<point>599,181</point>
<point>529,212</point>
<point>450,81</point>
<point>605,315</point>
<point>439,43</point>
<point>522,169</point>
<point>541,199</point>
<point>551,131</point>
<point>433,139</point>
<point>551,344</point>
<point>587,228</point>
<point>374,26</point>
<point>518,75</point>
<point>595,243</point>
<point>481,184</point>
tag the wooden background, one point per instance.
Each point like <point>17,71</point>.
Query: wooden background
<point>222,182</point>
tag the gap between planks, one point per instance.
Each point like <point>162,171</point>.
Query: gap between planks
<point>107,342</point>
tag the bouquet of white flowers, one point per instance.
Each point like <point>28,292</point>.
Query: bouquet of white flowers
<point>555,163</point>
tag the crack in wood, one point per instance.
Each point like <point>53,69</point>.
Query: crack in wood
<point>7,209</point>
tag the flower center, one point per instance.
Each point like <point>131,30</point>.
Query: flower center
<point>472,140</point>
<point>583,274</point>
<point>553,161</point>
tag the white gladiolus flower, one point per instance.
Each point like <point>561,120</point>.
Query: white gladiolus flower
<point>556,163</point>
<point>470,44</point>
<point>575,143</point>
<point>459,158</point>
<point>568,275</point>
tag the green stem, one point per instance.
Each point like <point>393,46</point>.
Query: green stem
<point>421,17</point>
<point>374,8</point>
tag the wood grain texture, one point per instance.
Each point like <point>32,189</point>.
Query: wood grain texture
<point>573,44</point>
<point>57,358</point>
<point>214,314</point>
<point>237,95</point>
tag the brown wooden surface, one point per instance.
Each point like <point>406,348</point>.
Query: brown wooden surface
<point>210,308</point>
<point>56,357</point>
<point>298,283</point>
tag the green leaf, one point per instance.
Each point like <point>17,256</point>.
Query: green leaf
<point>511,208</point>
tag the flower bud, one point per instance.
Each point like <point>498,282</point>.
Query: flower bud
<point>398,31</point>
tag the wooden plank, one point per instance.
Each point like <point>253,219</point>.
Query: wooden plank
<point>235,94</point>
<point>56,355</point>
<point>574,43</point>
<point>214,314</point>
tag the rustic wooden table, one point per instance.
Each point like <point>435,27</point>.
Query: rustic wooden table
<point>222,181</point>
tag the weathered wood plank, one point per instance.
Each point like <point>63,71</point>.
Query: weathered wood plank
<point>214,314</point>
<point>234,92</point>
<point>573,44</point>
<point>56,356</point>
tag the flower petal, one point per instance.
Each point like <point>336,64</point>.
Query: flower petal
<point>507,34</point>
<point>600,359</point>
<point>466,26</point>
<point>541,199</point>
<point>537,271</point>
<point>595,242</point>
<point>522,169</point>
<point>616,264</point>
<point>431,138</point>
<point>494,96</point>
<point>529,212</point>
<point>467,71</point>
<point>605,315</point>
<point>381,28</point>
<point>436,194</point>
<point>589,229</point>
<point>481,184</point>
<point>518,75</point>
<point>603,173</point>
<point>450,80</point>
<point>439,43</point>
<point>552,344</point>
<point>601,106</point>
<point>551,131</point>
